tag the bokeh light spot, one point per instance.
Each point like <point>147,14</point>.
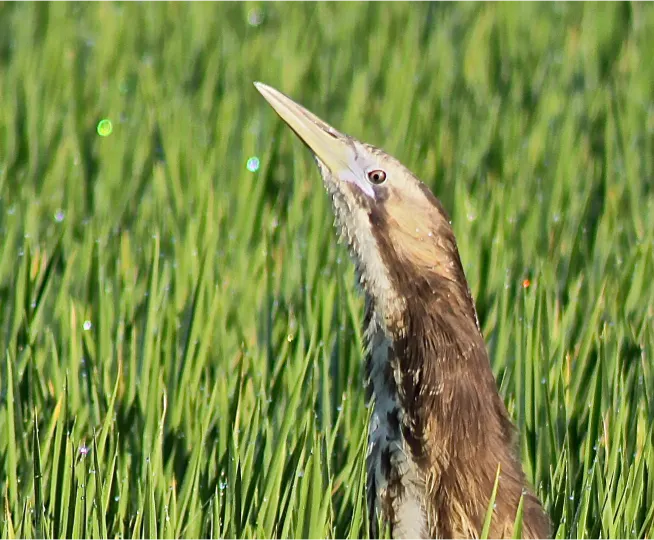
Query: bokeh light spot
<point>255,17</point>
<point>253,164</point>
<point>104,127</point>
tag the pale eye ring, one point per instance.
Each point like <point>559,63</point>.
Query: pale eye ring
<point>377,176</point>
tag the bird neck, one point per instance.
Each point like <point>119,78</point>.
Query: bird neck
<point>442,372</point>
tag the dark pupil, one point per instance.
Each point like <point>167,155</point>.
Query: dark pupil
<point>376,177</point>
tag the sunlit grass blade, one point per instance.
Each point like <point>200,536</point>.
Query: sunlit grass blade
<point>11,492</point>
<point>39,506</point>
<point>517,524</point>
<point>490,510</point>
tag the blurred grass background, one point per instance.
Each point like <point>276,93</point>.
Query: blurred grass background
<point>181,342</point>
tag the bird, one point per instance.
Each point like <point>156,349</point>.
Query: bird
<point>440,437</point>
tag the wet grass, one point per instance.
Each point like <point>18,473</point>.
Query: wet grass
<point>181,335</point>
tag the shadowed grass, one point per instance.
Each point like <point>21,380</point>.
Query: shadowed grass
<point>181,341</point>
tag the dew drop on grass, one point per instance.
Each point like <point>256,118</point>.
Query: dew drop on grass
<point>117,498</point>
<point>59,216</point>
<point>87,325</point>
<point>300,474</point>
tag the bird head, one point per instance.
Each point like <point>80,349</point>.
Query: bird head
<point>398,234</point>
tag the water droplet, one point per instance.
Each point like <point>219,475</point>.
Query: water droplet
<point>83,450</point>
<point>87,325</point>
<point>117,498</point>
<point>572,497</point>
<point>223,486</point>
<point>300,474</point>
<point>59,216</point>
<point>253,164</point>
<point>543,381</point>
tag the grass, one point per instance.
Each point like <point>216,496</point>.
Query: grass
<point>181,342</point>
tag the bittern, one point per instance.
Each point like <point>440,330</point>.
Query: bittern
<point>439,429</point>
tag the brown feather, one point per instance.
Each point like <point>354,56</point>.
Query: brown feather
<point>455,423</point>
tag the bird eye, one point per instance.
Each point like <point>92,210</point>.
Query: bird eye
<point>377,177</point>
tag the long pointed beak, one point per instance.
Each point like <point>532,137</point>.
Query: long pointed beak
<point>329,145</point>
